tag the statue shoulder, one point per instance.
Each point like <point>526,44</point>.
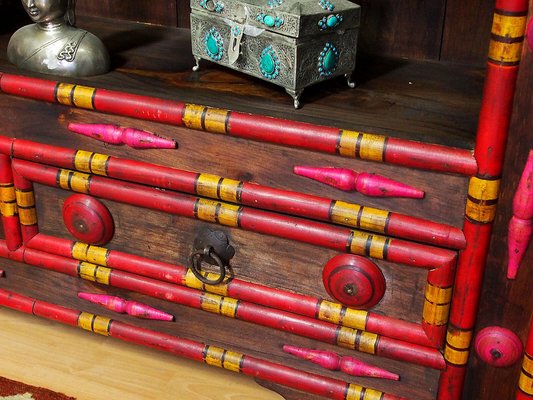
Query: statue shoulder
<point>22,40</point>
<point>92,51</point>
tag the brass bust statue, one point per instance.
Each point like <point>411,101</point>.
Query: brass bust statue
<point>53,45</point>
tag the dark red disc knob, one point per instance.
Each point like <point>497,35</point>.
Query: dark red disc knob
<point>354,281</point>
<point>499,347</point>
<point>88,219</point>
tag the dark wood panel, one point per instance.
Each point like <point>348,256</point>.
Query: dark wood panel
<point>269,260</point>
<point>419,29</point>
<point>411,29</point>
<point>504,302</point>
<point>467,31</point>
<point>153,11</point>
<point>184,12</point>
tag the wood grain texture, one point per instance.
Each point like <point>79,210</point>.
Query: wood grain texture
<point>467,31</point>
<point>161,12</point>
<point>504,302</point>
<point>415,29</point>
<point>410,29</point>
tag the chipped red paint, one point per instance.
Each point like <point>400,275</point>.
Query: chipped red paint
<point>10,219</point>
<point>250,194</point>
<point>244,125</point>
<point>264,316</point>
<point>492,132</point>
<point>239,289</point>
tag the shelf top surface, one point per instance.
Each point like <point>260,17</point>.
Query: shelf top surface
<point>424,101</point>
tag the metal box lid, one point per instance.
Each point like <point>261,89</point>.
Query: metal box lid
<point>293,18</point>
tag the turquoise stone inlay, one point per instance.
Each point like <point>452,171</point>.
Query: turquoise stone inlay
<point>213,44</point>
<point>269,63</point>
<point>211,5</point>
<point>269,20</point>
<point>330,22</point>
<point>275,3</point>
<point>328,60</point>
<point>326,5</point>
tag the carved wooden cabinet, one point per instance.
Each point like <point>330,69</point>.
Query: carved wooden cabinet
<point>411,120</point>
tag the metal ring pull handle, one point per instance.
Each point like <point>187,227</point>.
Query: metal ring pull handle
<point>196,261</point>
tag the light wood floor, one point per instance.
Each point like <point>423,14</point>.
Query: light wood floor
<point>93,367</point>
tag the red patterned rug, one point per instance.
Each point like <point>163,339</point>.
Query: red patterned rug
<point>11,390</point>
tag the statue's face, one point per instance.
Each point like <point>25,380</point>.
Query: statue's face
<point>45,10</point>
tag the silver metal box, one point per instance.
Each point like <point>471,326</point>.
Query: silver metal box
<point>290,43</point>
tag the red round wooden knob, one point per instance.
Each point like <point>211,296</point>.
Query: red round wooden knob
<point>498,346</point>
<point>88,219</point>
<point>354,281</point>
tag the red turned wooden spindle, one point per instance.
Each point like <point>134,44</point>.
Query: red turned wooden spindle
<point>334,362</point>
<point>129,307</point>
<point>326,359</point>
<point>521,224</point>
<point>362,182</point>
<point>247,291</point>
<point>2,273</point>
<point>499,347</point>
<point>136,138</point>
<point>263,128</point>
<point>210,355</point>
<point>355,367</point>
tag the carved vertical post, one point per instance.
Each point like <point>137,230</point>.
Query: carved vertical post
<point>505,50</point>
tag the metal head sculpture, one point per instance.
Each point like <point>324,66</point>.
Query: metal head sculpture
<point>53,45</point>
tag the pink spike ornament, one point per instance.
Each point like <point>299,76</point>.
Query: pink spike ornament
<point>521,223</point>
<point>362,182</point>
<point>334,362</point>
<point>132,137</point>
<point>120,305</point>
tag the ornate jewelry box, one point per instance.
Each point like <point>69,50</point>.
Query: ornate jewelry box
<point>290,43</point>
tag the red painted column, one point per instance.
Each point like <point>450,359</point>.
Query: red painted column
<point>8,205</point>
<point>26,206</point>
<point>496,108</point>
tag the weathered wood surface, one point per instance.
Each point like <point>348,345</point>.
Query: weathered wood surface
<point>423,101</point>
<point>466,31</point>
<point>163,12</point>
